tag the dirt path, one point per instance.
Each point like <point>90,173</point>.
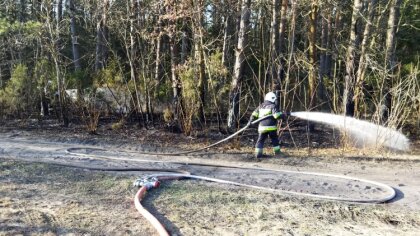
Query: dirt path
<point>399,175</point>
<point>48,200</point>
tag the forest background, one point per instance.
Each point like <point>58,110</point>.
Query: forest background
<point>198,63</point>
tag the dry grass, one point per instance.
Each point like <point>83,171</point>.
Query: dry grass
<point>39,199</point>
<point>208,209</point>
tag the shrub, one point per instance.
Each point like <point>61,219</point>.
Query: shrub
<point>20,95</point>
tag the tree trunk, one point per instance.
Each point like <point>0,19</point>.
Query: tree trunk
<point>44,103</point>
<point>231,18</point>
<point>22,12</point>
<point>74,37</point>
<point>233,115</point>
<point>101,37</point>
<point>184,43</point>
<point>261,34</point>
<point>290,53</point>
<point>323,60</point>
<point>60,92</point>
<point>176,83</point>
<point>59,9</point>
<point>281,77</point>
<point>348,95</point>
<point>274,50</point>
<point>199,55</point>
<point>360,75</point>
<point>228,40</point>
<point>158,66</point>
<point>336,63</point>
<point>328,56</point>
<point>56,57</point>
<point>312,56</point>
<point>390,61</point>
<point>215,18</point>
<point>133,59</point>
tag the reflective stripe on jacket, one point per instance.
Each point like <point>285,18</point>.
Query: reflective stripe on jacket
<point>269,124</point>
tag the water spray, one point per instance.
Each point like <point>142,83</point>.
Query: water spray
<point>361,132</point>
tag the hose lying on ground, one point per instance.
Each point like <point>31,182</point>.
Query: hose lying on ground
<point>146,214</point>
<point>183,174</point>
<point>95,168</point>
<point>178,174</point>
<point>204,148</point>
<point>188,163</point>
<point>155,178</point>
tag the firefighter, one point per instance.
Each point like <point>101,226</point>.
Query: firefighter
<point>268,127</point>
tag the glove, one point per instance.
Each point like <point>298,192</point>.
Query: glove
<point>285,115</point>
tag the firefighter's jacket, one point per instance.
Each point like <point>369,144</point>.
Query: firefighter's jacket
<point>265,109</point>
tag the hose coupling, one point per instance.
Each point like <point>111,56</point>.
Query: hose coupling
<point>148,182</point>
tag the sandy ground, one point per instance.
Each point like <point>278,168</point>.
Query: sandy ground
<point>44,199</point>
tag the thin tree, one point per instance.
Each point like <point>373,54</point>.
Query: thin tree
<point>312,77</point>
<point>291,51</point>
<point>324,68</point>
<point>74,37</point>
<point>199,56</point>
<point>348,95</point>
<point>158,48</point>
<point>132,58</point>
<point>360,75</point>
<point>228,33</point>
<point>274,49</point>
<point>54,46</point>
<point>281,48</point>
<point>101,36</point>
<point>235,88</point>
<point>390,61</point>
<point>172,15</point>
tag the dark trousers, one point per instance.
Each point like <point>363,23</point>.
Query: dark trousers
<point>263,136</point>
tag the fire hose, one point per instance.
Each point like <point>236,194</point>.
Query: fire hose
<point>153,181</point>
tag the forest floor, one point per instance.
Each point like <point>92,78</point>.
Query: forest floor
<point>45,199</point>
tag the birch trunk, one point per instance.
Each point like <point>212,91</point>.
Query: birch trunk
<point>176,83</point>
<point>274,50</point>
<point>360,75</point>
<point>348,95</point>
<point>158,67</point>
<point>291,49</point>
<point>312,56</point>
<point>281,48</point>
<point>390,61</point>
<point>133,8</point>
<point>233,114</point>
<point>199,58</point>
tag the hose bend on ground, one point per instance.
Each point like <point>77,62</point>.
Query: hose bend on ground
<point>155,178</point>
<point>171,174</point>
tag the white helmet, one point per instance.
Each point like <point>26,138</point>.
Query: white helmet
<point>270,97</point>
